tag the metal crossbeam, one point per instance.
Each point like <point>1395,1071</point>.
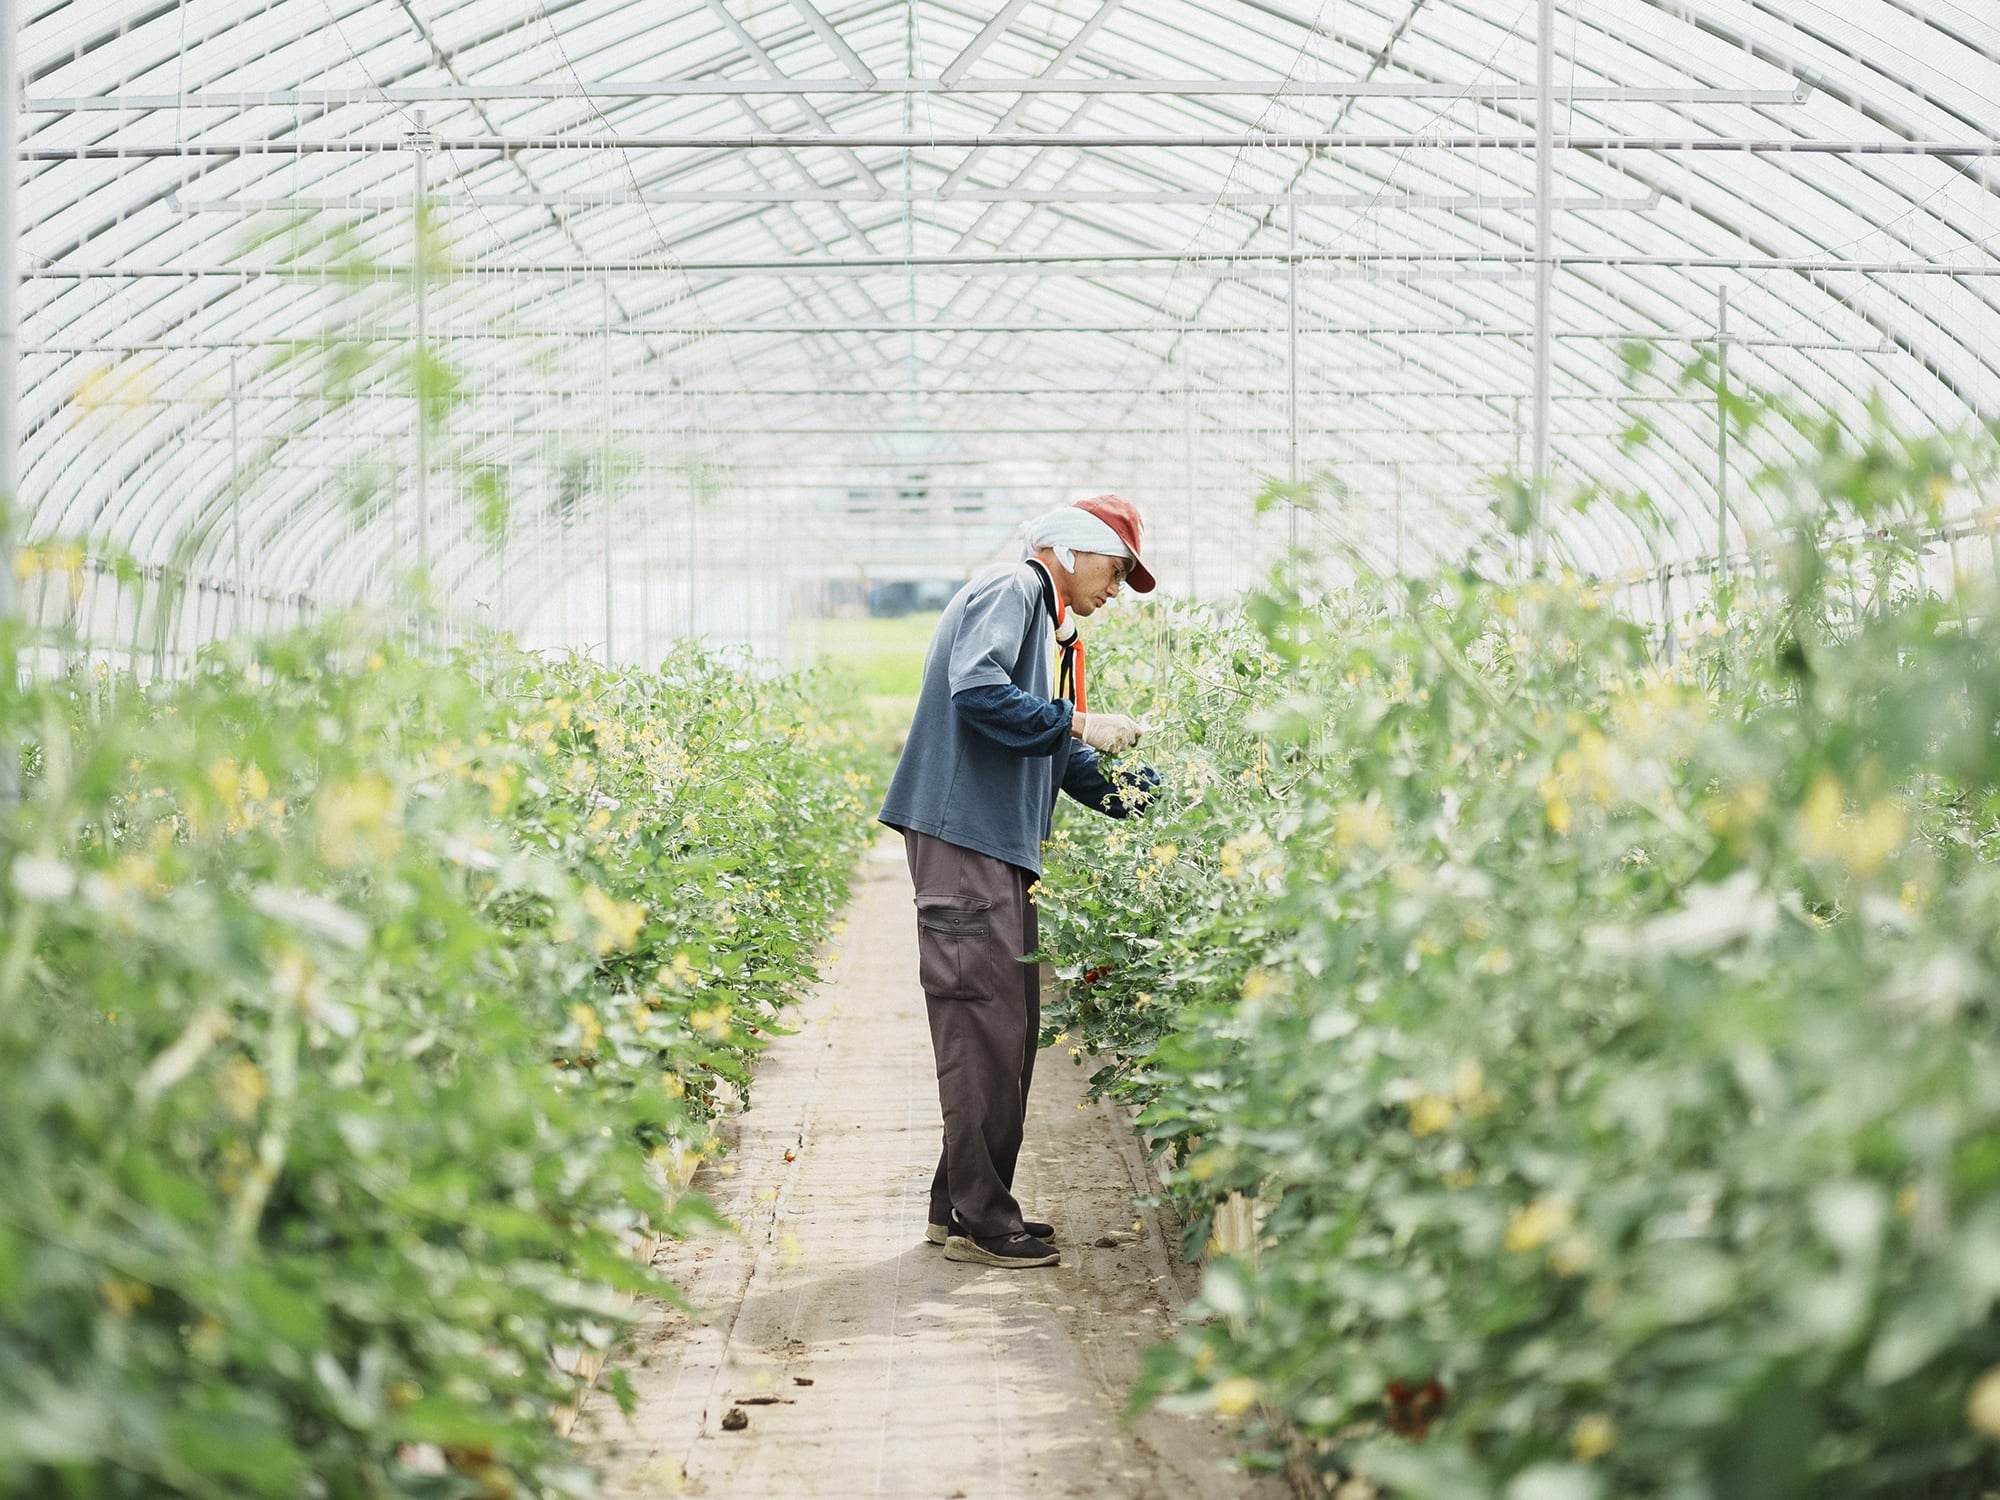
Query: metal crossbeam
<point>696,331</point>
<point>976,48</point>
<point>824,29</point>
<point>1100,264</point>
<point>602,93</point>
<point>395,203</point>
<point>1067,394</point>
<point>818,458</point>
<point>877,470</point>
<point>1032,141</point>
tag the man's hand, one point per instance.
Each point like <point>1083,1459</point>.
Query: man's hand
<point>1108,734</point>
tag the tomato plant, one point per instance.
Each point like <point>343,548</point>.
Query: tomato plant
<point>354,1003</point>
<point>1609,1036</point>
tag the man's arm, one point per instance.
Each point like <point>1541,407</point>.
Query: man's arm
<point>1084,779</point>
<point>1014,719</point>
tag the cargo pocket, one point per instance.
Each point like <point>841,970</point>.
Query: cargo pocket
<point>954,947</point>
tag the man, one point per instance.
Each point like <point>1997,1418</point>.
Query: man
<point>973,797</point>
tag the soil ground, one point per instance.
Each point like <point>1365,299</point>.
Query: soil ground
<point>865,1362</point>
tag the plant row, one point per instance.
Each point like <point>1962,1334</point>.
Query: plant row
<point>1607,1036</point>
<point>358,1007</point>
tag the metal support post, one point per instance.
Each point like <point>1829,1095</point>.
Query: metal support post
<point>504,605</point>
<point>1399,518</point>
<point>694,542</point>
<point>420,144</point>
<point>235,496</point>
<point>1721,427</point>
<point>1187,456</point>
<point>10,355</point>
<point>1667,616</point>
<point>1292,365</point>
<point>1545,48</point>
<point>604,486</point>
<point>646,662</point>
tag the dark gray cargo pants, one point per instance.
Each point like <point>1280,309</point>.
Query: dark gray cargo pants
<point>974,925</point>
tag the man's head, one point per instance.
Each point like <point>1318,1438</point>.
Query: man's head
<point>1092,583</point>
<point>1091,548</point>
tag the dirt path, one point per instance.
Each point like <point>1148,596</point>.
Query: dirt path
<point>868,1364</point>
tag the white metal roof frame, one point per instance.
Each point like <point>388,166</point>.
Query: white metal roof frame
<point>1063,234</point>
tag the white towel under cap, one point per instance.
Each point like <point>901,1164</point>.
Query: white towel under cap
<point>1068,530</point>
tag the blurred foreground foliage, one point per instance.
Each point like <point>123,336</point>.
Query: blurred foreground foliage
<point>358,1008</point>
<point>1605,1026</point>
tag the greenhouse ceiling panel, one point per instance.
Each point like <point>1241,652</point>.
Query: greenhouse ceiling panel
<point>569,302</point>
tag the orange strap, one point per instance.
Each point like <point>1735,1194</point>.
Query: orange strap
<point>1069,649</point>
<point>1069,676</point>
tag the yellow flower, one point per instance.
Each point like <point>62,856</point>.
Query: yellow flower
<point>1532,1227</point>
<point>354,821</point>
<point>1593,1437</point>
<point>1430,1113</point>
<point>1880,833</point>
<point>1234,1395</point>
<point>1573,1255</point>
<point>712,1023</point>
<point>1982,1405</point>
<point>1258,983</point>
<point>1233,852</point>
<point>1363,823</point>
<point>1163,854</point>
<point>227,784</point>
<point>1469,1091</point>
<point>1555,806</point>
<point>1741,808</point>
<point>121,1295</point>
<point>1819,818</point>
<point>1826,831</point>
<point>593,1029</point>
<point>241,1086</point>
<point>617,922</point>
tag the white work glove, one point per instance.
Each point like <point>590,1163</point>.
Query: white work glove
<point>1108,734</point>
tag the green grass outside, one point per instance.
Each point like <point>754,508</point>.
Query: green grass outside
<point>885,658</point>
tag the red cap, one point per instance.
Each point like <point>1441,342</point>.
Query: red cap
<point>1122,516</point>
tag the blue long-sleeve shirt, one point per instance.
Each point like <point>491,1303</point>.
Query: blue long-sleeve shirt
<point>1019,721</point>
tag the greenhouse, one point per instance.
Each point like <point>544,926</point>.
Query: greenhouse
<point>561,553</point>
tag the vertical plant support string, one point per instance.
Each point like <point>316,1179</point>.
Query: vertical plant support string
<point>420,145</point>
<point>1545,46</point>
<point>1721,427</point>
<point>235,494</point>
<point>604,499</point>
<point>1292,367</point>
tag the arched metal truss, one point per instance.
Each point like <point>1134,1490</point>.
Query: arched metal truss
<point>695,266</point>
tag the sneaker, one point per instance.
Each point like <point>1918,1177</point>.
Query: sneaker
<point>937,1234</point>
<point>1016,1252</point>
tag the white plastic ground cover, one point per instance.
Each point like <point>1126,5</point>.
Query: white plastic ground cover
<point>677,328</point>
